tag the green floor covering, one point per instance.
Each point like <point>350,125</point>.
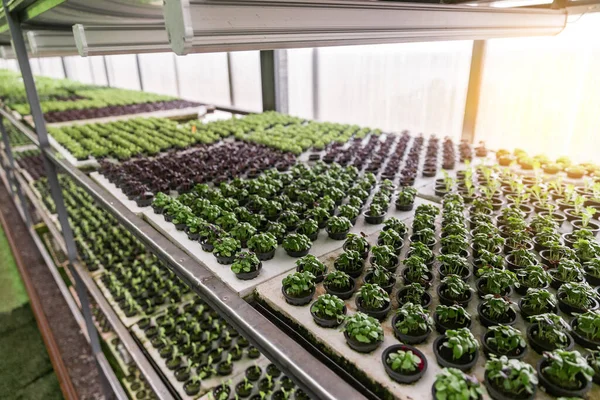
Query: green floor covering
<point>25,369</point>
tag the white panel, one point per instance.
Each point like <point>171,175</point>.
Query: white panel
<point>52,67</point>
<point>542,94</point>
<point>97,70</point>
<point>245,68</point>
<point>78,69</point>
<point>203,77</point>
<point>300,82</point>
<point>36,68</point>
<point>158,73</point>
<point>418,86</point>
<point>122,71</point>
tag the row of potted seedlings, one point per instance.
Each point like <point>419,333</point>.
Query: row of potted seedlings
<point>278,209</point>
<point>299,136</point>
<point>494,283</point>
<point>561,265</point>
<point>377,155</point>
<point>31,161</point>
<point>201,351</point>
<point>141,179</point>
<point>562,165</point>
<point>138,282</point>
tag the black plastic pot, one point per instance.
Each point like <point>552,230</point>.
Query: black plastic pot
<point>246,276</point>
<point>397,376</point>
<point>581,339</point>
<point>224,260</point>
<point>525,314</point>
<point>591,279</point>
<point>570,310</point>
<point>373,219</point>
<point>192,236</point>
<point>404,207</point>
<point>361,347</point>
<point>556,283</point>
<point>207,246</point>
<point>517,354</point>
<point>592,226</point>
<point>481,282</point>
<point>522,289</point>
<point>337,236</point>
<point>297,254</point>
<point>443,356</point>
<point>557,391</point>
<point>191,388</point>
<point>387,287</point>
<point>342,295</point>
<point>298,301</point>
<point>407,338</point>
<point>390,268</point>
<point>465,273</point>
<point>539,347</point>
<point>377,314</point>
<point>449,302</point>
<point>318,278</point>
<point>324,322</point>
<point>424,282</point>
<point>364,254</point>
<point>596,377</point>
<point>425,299</point>
<point>266,256</point>
<point>498,394</point>
<point>487,321</point>
<point>442,327</point>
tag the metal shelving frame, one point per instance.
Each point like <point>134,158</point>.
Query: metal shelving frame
<point>309,373</point>
<point>406,22</point>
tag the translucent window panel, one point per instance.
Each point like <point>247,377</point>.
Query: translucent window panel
<point>300,82</point>
<point>78,69</point>
<point>98,71</point>
<point>543,94</point>
<point>36,68</point>
<point>245,74</point>
<point>204,77</point>
<point>416,86</point>
<point>158,73</point>
<point>52,67</point>
<point>122,71</point>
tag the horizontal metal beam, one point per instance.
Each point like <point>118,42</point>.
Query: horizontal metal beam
<point>310,374</point>
<point>51,43</point>
<point>128,39</point>
<point>197,26</point>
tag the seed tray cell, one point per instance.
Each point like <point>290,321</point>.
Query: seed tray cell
<point>280,264</point>
<point>239,367</point>
<point>368,368</point>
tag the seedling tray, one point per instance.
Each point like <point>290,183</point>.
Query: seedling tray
<point>368,368</point>
<point>116,192</point>
<point>280,264</point>
<point>238,373</point>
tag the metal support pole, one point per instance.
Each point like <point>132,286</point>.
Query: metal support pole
<point>273,73</point>
<point>230,79</point>
<point>64,67</point>
<point>106,70</point>
<point>473,91</point>
<point>51,172</point>
<point>139,71</point>
<point>315,82</point>
<point>10,174</point>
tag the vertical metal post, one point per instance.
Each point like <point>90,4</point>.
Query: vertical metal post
<point>230,79</point>
<point>10,174</point>
<point>274,80</point>
<point>473,91</point>
<point>315,82</point>
<point>106,71</point>
<point>51,171</point>
<point>139,71</point>
<point>64,67</point>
